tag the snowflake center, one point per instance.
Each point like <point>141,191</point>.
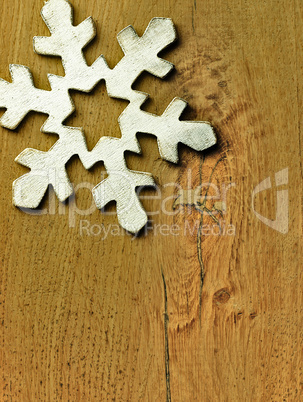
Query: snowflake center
<point>97,114</point>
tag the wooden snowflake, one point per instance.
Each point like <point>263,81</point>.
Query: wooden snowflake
<point>48,168</point>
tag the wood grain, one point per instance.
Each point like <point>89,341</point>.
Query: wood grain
<point>190,317</point>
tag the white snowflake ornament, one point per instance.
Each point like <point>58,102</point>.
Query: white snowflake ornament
<point>48,168</point>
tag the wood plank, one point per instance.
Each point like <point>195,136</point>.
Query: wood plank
<point>183,314</point>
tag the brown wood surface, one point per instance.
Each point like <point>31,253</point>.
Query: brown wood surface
<point>191,317</point>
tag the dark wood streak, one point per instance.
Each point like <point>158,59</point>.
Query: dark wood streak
<point>166,319</point>
<point>202,271</point>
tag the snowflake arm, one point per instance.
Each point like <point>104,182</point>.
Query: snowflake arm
<point>20,97</point>
<point>168,129</point>
<point>67,41</point>
<point>141,54</point>
<point>48,168</point>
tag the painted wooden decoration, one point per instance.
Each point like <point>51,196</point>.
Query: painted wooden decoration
<point>140,54</point>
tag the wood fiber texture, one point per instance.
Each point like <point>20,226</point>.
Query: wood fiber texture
<point>162,317</point>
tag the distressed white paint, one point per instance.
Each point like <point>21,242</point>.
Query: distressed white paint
<point>67,41</point>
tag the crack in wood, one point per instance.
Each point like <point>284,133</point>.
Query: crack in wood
<point>202,272</point>
<point>166,319</point>
<point>192,20</point>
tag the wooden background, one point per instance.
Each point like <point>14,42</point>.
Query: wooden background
<point>163,317</point>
